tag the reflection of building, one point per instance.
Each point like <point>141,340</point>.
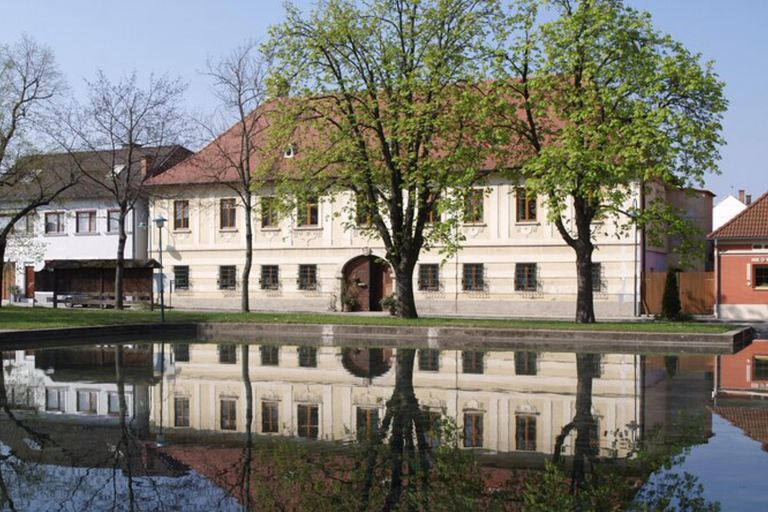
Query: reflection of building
<point>503,401</point>
<point>744,373</point>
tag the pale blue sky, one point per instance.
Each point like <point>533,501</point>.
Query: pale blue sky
<point>176,36</point>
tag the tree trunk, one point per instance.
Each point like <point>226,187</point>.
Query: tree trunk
<point>3,244</point>
<point>585,306</point>
<point>245,476</point>
<point>120,264</point>
<point>406,304</point>
<point>245,306</point>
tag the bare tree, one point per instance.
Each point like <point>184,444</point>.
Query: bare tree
<point>122,135</point>
<point>239,82</point>
<point>29,83</point>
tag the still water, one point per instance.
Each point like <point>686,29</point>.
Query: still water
<point>223,426</point>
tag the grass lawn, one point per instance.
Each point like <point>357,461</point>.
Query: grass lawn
<point>40,318</point>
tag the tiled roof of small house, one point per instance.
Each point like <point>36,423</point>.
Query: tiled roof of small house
<point>750,223</point>
<point>752,420</point>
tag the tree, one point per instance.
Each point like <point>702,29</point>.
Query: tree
<point>608,108</point>
<point>386,106</point>
<point>29,84</point>
<point>240,85</point>
<point>121,136</point>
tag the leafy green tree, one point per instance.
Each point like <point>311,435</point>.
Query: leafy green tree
<point>608,109</point>
<point>384,105</point>
<point>671,307</point>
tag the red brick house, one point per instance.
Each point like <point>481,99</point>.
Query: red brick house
<point>741,264</point>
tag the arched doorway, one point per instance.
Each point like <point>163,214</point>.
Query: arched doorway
<point>367,280</point>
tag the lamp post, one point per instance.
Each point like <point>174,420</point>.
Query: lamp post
<point>160,222</point>
<point>634,218</point>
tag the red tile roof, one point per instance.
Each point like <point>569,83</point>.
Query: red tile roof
<point>753,421</point>
<point>750,223</point>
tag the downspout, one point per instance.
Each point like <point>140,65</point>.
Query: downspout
<point>717,281</point>
<point>642,308</point>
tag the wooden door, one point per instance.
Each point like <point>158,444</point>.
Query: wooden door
<point>29,281</point>
<point>9,278</point>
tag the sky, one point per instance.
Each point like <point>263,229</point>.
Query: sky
<point>175,37</point>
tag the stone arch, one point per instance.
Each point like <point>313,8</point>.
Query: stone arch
<point>369,279</point>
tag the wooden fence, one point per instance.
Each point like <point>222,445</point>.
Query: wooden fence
<point>697,292</point>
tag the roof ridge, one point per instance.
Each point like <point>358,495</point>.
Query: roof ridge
<point>737,218</point>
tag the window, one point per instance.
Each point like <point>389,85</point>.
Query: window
<point>270,355</point>
<point>181,352</point>
<point>181,411</point>
<point>307,214</point>
<point>308,357</point>
<point>54,399</point>
<point>113,404</point>
<point>473,429</point>
<point>433,215</point>
<point>307,421</point>
<point>181,215</point>
<point>87,401</point>
<point>593,364</point>
<point>181,277</point>
<point>269,418</point>
<point>54,223</point>
<point>363,216</point>
<point>761,367</point>
<point>307,277</point>
<point>525,277</point>
<point>429,277</point>
<point>86,222</point>
<point>227,214</point>
<point>269,217</point>
<point>525,362</point>
<point>228,414</point>
<point>227,354</point>
<point>525,434</point>
<point>761,276</point>
<point>270,277</point>
<point>367,423</point>
<point>473,208</point>
<point>594,433</point>
<point>473,361</point>
<point>526,205</point>
<point>597,277</point>
<point>432,430</point>
<point>472,277</point>
<point>429,360</point>
<point>227,277</point>
<point>113,221</point>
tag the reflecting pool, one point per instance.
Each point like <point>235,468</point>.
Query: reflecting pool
<point>309,425</point>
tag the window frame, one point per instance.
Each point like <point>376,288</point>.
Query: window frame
<point>367,423</point>
<point>760,370</point>
<point>93,401</point>
<point>227,353</point>
<point>473,277</point>
<point>270,417</point>
<point>92,222</point>
<point>597,277</point>
<point>429,359</point>
<point>525,205</point>
<point>308,421</point>
<point>61,223</point>
<point>268,211</point>
<point>307,277</point>
<point>181,215</point>
<point>181,416</point>
<point>525,442</point>
<point>474,207</point>
<point>228,413</point>
<point>526,281</point>
<point>111,218</point>
<point>231,280</point>
<point>181,356</point>
<point>61,399</point>
<point>473,361</point>
<point>270,355</point>
<point>473,423</point>
<point>526,362</point>
<point>177,271</point>
<point>307,357</point>
<point>308,213</point>
<point>429,277</point>
<point>269,280</point>
<point>228,214</point>
<point>110,396</point>
<point>760,282</point>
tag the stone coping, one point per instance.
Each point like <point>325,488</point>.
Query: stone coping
<point>391,336</point>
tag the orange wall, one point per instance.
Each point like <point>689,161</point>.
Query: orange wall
<point>734,288</point>
<point>736,371</point>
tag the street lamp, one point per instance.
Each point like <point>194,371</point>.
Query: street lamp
<point>160,222</point>
<point>634,218</point>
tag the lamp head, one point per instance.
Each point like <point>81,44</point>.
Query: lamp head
<point>159,221</point>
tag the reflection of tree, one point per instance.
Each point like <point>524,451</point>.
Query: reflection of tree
<point>585,449</point>
<point>409,451</point>
<point>244,481</point>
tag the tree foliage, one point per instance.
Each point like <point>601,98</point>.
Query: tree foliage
<point>385,106</point>
<point>609,107</point>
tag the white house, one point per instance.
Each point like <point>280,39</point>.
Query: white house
<point>728,208</point>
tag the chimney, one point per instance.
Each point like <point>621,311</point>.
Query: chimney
<point>749,199</point>
<point>741,196</point>
<point>146,164</point>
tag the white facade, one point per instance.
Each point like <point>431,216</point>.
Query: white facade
<point>725,210</point>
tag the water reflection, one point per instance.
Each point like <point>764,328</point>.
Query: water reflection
<point>390,418</point>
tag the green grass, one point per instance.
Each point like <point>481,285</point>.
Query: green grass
<point>41,318</point>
